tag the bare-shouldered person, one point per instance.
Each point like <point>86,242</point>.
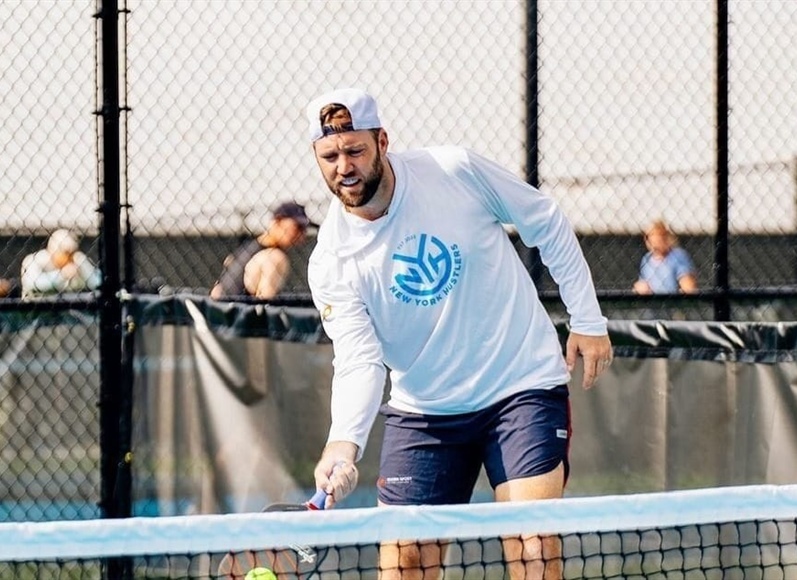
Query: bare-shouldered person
<point>260,267</point>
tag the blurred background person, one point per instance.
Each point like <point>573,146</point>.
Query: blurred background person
<point>9,288</point>
<point>61,267</point>
<point>260,267</point>
<point>666,268</point>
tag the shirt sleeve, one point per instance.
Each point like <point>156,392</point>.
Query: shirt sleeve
<point>542,224</point>
<point>683,263</point>
<point>359,373</point>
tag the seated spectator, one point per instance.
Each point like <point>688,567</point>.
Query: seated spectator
<point>59,268</point>
<point>260,267</point>
<point>666,268</point>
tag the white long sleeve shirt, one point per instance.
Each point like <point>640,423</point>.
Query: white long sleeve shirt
<point>435,291</point>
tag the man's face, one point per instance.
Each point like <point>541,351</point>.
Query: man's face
<point>659,241</point>
<point>352,165</point>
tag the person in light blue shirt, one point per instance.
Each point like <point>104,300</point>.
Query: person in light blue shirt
<point>666,268</point>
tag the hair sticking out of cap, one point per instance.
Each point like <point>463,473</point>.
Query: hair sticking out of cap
<point>335,118</point>
<point>360,107</point>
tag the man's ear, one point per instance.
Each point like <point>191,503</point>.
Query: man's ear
<point>383,141</point>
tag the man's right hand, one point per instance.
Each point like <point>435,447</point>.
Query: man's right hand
<point>335,472</point>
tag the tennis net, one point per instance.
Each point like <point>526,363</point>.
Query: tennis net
<point>744,532</point>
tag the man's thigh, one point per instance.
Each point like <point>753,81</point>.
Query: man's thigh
<point>427,460</point>
<point>529,439</point>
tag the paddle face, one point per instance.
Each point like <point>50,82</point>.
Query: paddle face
<point>288,507</point>
<point>317,502</point>
<point>295,561</point>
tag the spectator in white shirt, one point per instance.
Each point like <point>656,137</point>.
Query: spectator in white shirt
<point>60,268</point>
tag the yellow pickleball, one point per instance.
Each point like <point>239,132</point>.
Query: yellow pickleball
<point>260,574</point>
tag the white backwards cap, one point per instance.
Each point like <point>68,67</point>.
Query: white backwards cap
<point>361,106</point>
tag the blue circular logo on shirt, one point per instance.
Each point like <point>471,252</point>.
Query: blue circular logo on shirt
<point>429,271</point>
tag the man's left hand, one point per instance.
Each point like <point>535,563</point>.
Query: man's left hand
<point>596,352</point>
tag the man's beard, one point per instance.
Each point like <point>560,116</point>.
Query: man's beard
<point>370,185</point>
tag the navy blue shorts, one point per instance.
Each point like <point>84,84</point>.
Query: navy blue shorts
<point>436,459</point>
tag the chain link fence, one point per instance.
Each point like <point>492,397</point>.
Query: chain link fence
<point>626,117</point>
<point>49,418</point>
<point>48,136</point>
<point>621,99</point>
<point>49,361</point>
<point>214,135</point>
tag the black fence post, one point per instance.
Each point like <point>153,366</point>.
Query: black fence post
<point>115,501</point>
<point>722,309</point>
<point>531,256</point>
